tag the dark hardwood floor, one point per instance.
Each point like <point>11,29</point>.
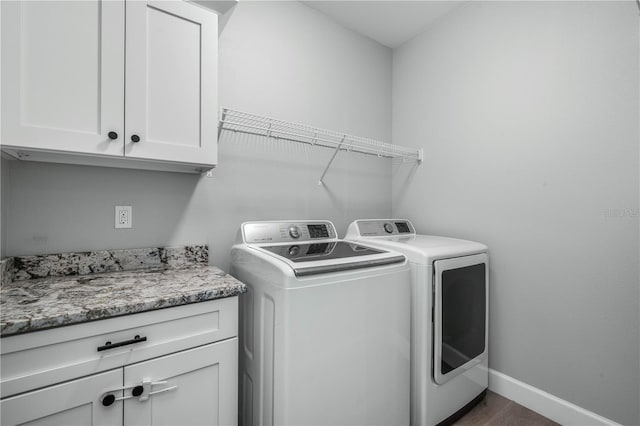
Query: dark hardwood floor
<point>496,410</point>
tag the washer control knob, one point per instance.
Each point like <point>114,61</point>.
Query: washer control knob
<point>294,251</point>
<point>388,228</point>
<point>294,232</point>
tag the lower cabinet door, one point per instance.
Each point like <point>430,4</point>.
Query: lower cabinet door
<point>74,403</point>
<point>192,387</point>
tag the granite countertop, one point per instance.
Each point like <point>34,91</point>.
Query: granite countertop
<point>41,292</point>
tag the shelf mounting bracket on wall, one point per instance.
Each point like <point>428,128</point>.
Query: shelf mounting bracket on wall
<point>238,121</point>
<point>333,157</point>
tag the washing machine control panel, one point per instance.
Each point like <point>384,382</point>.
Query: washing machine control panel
<point>283,232</point>
<point>294,232</point>
<point>384,227</point>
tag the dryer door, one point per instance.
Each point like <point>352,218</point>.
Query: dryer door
<point>461,297</point>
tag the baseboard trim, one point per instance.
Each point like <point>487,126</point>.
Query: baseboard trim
<point>552,407</point>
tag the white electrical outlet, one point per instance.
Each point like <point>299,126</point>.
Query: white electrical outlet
<point>124,217</point>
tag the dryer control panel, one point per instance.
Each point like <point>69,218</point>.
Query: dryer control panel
<point>287,231</point>
<point>380,228</point>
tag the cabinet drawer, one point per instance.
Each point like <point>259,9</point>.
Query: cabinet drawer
<point>43,358</point>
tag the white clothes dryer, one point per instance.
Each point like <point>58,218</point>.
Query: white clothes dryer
<point>324,328</point>
<point>449,317</point>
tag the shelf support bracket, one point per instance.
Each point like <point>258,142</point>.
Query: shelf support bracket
<point>333,157</point>
<point>223,115</point>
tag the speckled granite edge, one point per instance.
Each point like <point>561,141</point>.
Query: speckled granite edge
<point>6,270</point>
<point>21,268</point>
<point>27,306</point>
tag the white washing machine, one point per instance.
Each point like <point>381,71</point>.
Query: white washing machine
<point>324,328</point>
<point>449,320</point>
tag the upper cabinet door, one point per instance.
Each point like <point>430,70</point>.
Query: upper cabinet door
<point>171,90</point>
<point>62,75</point>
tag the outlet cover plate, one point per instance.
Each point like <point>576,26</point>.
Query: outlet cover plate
<point>124,217</point>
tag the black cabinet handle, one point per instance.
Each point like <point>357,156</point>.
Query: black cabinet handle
<point>113,135</point>
<point>108,400</point>
<point>135,138</point>
<point>109,345</point>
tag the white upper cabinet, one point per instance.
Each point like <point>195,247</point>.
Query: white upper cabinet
<point>81,83</point>
<point>63,75</point>
<point>170,94</point>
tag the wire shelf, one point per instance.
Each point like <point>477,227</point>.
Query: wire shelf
<point>238,121</point>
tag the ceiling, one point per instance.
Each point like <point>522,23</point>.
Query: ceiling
<point>391,22</point>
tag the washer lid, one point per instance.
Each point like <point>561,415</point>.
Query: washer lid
<point>330,256</point>
<point>329,250</point>
<point>418,248</point>
<point>426,248</point>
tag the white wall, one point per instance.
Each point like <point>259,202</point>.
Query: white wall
<point>528,114</point>
<point>3,207</point>
<point>279,59</point>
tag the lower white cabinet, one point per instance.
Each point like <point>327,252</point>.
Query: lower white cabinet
<point>200,388</point>
<point>196,386</point>
<point>73,403</point>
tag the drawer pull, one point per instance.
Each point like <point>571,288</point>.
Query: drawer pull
<point>110,345</point>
